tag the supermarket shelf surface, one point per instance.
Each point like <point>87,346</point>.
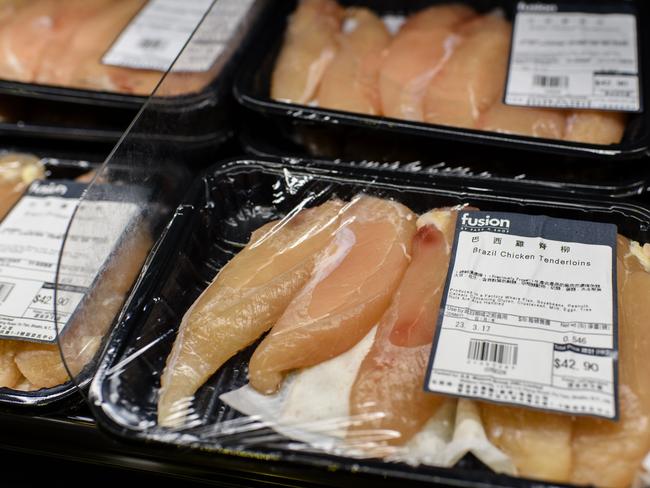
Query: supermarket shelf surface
<point>35,449</point>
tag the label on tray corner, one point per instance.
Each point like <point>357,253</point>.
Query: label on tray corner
<point>574,55</point>
<point>156,36</point>
<point>31,236</point>
<point>529,314</point>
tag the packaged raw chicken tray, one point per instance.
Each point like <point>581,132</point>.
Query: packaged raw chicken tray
<point>296,309</point>
<point>437,70</point>
<point>38,197</point>
<point>114,53</point>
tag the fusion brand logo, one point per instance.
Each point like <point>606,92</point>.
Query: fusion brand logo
<point>47,189</point>
<point>536,7</point>
<point>468,221</point>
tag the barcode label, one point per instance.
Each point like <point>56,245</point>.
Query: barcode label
<point>152,43</point>
<point>5,290</point>
<point>156,35</point>
<point>534,346</point>
<point>559,53</point>
<point>546,81</point>
<point>494,352</point>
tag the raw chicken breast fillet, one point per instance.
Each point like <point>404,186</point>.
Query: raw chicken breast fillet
<point>310,44</point>
<point>352,284</point>
<point>417,54</point>
<point>388,401</point>
<point>245,299</point>
<point>351,82</point>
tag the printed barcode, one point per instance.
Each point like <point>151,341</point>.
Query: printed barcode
<point>5,289</point>
<point>551,81</point>
<point>151,43</point>
<point>495,352</point>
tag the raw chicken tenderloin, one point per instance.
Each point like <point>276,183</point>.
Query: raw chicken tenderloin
<point>608,453</point>
<point>353,281</point>
<point>41,363</point>
<point>24,385</point>
<point>38,33</point>
<point>351,82</point>
<point>10,375</point>
<point>245,299</point>
<point>439,16</point>
<point>595,127</point>
<point>17,172</point>
<point>387,399</point>
<point>82,66</point>
<point>70,17</point>
<point>89,40</point>
<point>23,38</point>
<point>310,45</point>
<point>8,8</point>
<point>600,452</point>
<point>525,121</point>
<point>539,443</point>
<point>416,55</point>
<point>473,78</point>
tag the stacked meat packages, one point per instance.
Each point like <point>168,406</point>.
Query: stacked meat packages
<point>338,241</point>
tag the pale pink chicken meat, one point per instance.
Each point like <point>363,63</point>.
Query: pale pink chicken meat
<point>585,450</point>
<point>388,398</point>
<point>82,65</point>
<point>17,172</point>
<point>595,127</point>
<point>417,54</point>
<point>8,8</point>
<point>538,443</point>
<point>449,15</point>
<point>70,17</point>
<point>353,281</point>
<point>244,300</point>
<point>24,36</point>
<point>67,40</point>
<point>525,121</point>
<point>41,364</point>
<point>473,78</point>
<point>351,82</point>
<point>310,45</point>
<point>9,373</point>
<point>607,453</point>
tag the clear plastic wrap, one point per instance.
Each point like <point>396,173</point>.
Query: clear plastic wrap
<point>114,227</point>
<point>115,224</point>
<point>19,171</point>
<point>292,317</point>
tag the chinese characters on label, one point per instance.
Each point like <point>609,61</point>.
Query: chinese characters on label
<point>528,317</point>
<point>574,59</point>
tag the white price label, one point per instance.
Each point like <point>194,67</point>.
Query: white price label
<point>213,36</point>
<point>528,315</point>
<point>31,237</point>
<point>574,59</point>
<point>158,33</point>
